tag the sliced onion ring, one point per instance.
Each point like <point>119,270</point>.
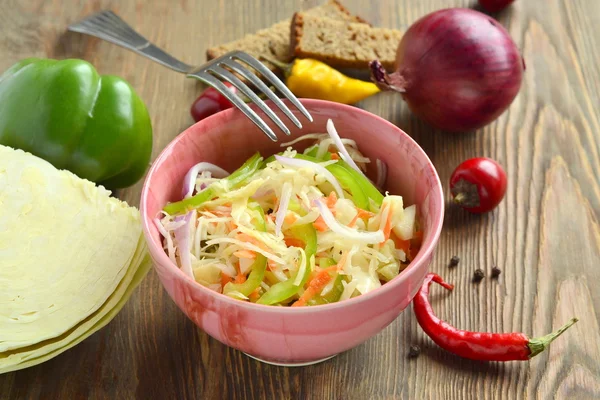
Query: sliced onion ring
<point>303,137</point>
<point>189,182</point>
<point>335,226</point>
<point>182,236</point>
<point>341,148</point>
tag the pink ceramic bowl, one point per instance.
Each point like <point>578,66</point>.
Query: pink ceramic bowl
<point>303,335</point>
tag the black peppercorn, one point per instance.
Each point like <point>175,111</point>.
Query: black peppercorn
<point>454,261</point>
<point>478,275</point>
<point>496,272</point>
<point>414,351</point>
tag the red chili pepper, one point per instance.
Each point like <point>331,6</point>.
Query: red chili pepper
<point>477,345</point>
<point>211,102</point>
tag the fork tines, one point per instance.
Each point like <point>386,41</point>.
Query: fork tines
<point>227,66</point>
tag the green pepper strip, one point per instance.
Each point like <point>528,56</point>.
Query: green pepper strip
<point>347,180</point>
<point>336,291</point>
<point>313,151</point>
<point>355,177</point>
<point>284,290</point>
<point>257,271</point>
<point>233,180</point>
<point>370,190</point>
<point>333,295</point>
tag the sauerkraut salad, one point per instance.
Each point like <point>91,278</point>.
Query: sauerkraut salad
<point>295,229</point>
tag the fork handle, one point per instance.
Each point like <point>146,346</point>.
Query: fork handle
<point>106,25</point>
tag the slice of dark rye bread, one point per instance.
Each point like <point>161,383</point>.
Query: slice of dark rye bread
<point>342,44</point>
<point>274,42</point>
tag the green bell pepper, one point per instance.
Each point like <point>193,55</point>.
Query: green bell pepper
<point>370,190</point>
<point>349,181</point>
<point>336,291</point>
<point>312,151</point>
<point>284,290</point>
<point>333,295</point>
<point>258,267</point>
<point>66,113</point>
<point>234,180</point>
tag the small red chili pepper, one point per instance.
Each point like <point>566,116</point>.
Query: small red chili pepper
<point>211,102</point>
<point>477,345</point>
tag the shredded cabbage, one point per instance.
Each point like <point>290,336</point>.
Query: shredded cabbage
<point>365,249</point>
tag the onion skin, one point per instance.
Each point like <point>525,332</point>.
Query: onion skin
<point>457,69</point>
<point>494,5</point>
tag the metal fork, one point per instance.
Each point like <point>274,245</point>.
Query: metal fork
<point>108,26</point>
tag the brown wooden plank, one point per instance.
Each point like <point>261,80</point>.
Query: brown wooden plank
<point>544,236</point>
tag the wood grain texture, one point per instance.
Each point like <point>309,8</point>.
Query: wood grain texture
<point>545,235</point>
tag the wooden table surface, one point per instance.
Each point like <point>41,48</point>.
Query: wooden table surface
<point>544,236</point>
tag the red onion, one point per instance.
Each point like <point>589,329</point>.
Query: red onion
<point>337,140</point>
<point>458,69</point>
<point>189,182</point>
<point>495,5</point>
<point>182,235</point>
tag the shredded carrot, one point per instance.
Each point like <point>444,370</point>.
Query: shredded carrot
<point>331,200</point>
<point>271,265</point>
<point>320,224</point>
<point>293,242</point>
<point>342,261</point>
<point>314,273</point>
<point>251,239</point>
<point>315,285</point>
<point>290,218</point>
<point>219,213</point>
<point>335,156</point>
<point>360,214</point>
<point>240,278</point>
<point>387,228</point>
<point>254,294</point>
<point>225,279</point>
<point>400,244</point>
<point>353,222</point>
<point>245,254</point>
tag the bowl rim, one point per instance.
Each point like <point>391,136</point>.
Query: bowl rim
<point>232,113</point>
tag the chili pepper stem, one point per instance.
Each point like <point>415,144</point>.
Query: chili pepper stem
<point>286,68</point>
<point>459,198</point>
<point>438,279</point>
<point>537,345</point>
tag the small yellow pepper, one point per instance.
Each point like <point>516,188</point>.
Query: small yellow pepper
<point>313,79</point>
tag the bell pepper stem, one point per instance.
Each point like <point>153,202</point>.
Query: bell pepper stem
<point>537,345</point>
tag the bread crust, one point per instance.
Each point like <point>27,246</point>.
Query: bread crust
<point>216,51</point>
